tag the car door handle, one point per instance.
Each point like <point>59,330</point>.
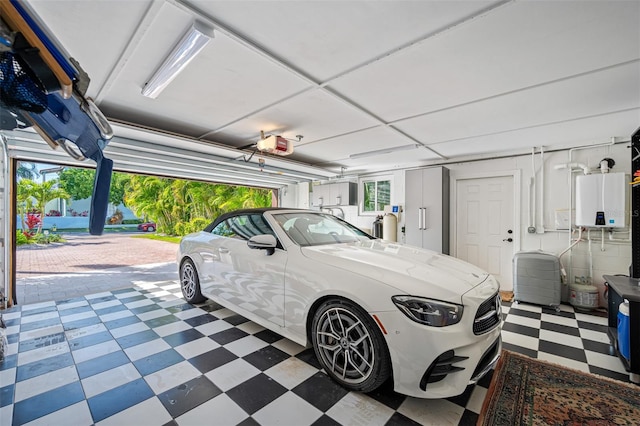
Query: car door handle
<point>223,250</point>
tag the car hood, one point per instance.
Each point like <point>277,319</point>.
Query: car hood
<point>412,270</point>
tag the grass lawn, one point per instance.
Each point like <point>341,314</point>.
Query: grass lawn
<point>159,237</point>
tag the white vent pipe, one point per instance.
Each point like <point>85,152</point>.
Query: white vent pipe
<point>541,227</point>
<point>532,193</point>
<point>573,166</point>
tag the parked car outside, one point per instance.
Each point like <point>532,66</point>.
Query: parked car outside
<point>372,310</point>
<point>147,227</point>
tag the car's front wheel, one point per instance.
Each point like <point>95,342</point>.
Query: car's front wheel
<point>151,229</point>
<point>190,283</point>
<point>349,346</point>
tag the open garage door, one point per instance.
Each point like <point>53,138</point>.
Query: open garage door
<point>147,152</point>
<point>55,259</point>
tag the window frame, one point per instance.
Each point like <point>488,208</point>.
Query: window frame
<point>361,193</point>
<point>231,224</point>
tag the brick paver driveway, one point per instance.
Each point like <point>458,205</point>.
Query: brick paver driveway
<point>84,252</point>
<point>88,264</point>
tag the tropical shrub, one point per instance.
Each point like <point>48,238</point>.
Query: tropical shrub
<point>21,238</point>
<point>46,239</point>
<point>33,222</point>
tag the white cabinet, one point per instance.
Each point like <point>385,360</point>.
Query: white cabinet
<point>427,208</point>
<point>320,195</point>
<point>335,194</point>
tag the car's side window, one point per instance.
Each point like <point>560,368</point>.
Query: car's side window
<point>243,227</point>
<point>223,230</point>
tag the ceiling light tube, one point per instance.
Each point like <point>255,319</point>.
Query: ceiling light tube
<point>384,151</point>
<point>189,46</point>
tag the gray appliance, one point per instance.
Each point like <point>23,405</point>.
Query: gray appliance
<point>536,278</point>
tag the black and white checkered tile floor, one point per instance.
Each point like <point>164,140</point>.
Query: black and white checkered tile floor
<point>142,356</point>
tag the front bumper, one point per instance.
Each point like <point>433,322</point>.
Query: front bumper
<point>437,362</point>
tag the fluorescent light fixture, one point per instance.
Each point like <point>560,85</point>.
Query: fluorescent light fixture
<point>384,151</point>
<point>189,46</point>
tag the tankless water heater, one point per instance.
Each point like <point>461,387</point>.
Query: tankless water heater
<point>601,200</point>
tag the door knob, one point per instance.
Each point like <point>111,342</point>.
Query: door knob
<point>508,240</point>
<point>510,231</point>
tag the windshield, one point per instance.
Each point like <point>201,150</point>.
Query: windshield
<point>312,229</point>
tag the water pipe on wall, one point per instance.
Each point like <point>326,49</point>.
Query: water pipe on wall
<point>571,166</point>
<point>590,256</point>
<point>622,240</point>
<point>562,269</point>
<point>541,227</point>
<point>531,227</point>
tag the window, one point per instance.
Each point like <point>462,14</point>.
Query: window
<point>243,227</point>
<point>223,230</point>
<point>376,193</point>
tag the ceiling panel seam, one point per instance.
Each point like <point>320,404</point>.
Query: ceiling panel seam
<point>271,57</point>
<point>254,112</point>
<point>515,91</point>
<point>149,16</point>
<point>382,122</point>
<point>534,126</point>
<point>288,67</point>
<point>400,49</point>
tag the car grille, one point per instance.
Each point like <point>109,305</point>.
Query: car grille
<point>488,315</point>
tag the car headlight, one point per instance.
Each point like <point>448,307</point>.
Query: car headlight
<point>427,311</point>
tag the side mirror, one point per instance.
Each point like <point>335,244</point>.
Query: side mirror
<point>263,242</point>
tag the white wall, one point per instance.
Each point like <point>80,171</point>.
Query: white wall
<point>612,257</point>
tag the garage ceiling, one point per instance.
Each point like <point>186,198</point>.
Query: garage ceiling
<point>432,81</point>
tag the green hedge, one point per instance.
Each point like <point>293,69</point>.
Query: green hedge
<point>132,221</point>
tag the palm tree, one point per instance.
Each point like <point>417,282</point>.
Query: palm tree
<point>24,198</point>
<point>45,192</point>
<point>27,170</point>
<point>177,205</point>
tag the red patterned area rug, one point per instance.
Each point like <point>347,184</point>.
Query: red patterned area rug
<point>527,391</point>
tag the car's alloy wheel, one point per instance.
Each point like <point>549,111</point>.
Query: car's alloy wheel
<point>190,283</point>
<point>349,346</point>
<point>151,229</point>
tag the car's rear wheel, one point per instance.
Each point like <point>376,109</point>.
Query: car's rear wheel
<point>190,283</point>
<point>150,229</point>
<point>349,346</point>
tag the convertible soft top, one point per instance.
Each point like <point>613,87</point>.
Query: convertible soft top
<point>226,216</point>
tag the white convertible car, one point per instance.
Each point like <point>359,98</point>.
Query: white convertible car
<point>372,310</point>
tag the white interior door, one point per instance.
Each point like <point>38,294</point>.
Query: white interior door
<point>485,233</point>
